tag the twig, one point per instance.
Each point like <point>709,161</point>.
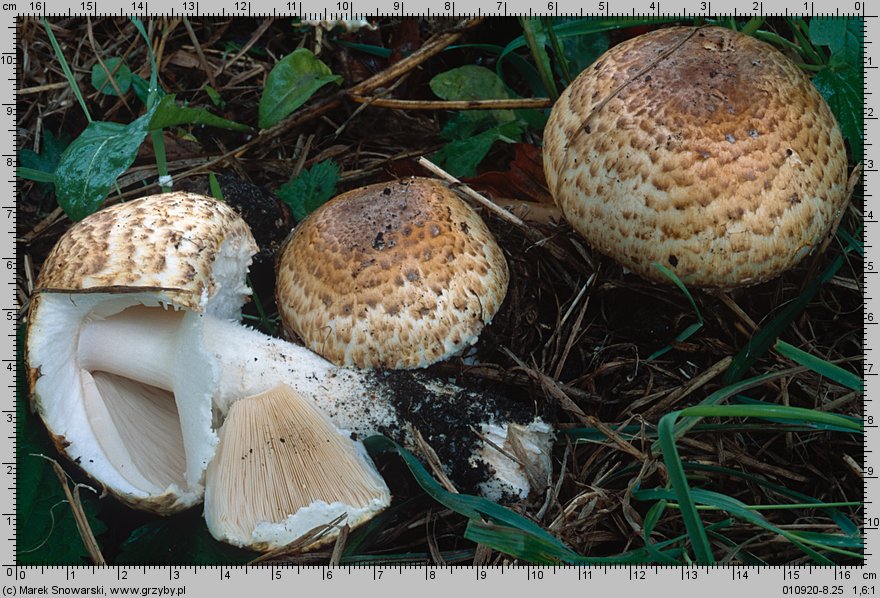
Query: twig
<point>433,461</point>
<point>477,197</point>
<point>256,36</point>
<point>79,515</point>
<point>564,401</point>
<point>531,233</point>
<point>507,104</point>
<point>202,60</point>
<point>433,46</point>
<point>42,88</point>
<point>110,75</point>
<point>339,546</point>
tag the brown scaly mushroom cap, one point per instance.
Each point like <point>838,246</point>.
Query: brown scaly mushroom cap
<point>396,275</point>
<point>701,149</point>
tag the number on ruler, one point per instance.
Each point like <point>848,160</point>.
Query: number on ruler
<point>343,5</point>
<point>139,6</point>
<point>398,6</point>
<point>89,6</point>
<point>603,6</point>
<point>242,6</point>
<point>38,6</point>
<point>189,5</point>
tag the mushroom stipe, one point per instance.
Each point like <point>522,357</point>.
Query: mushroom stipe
<point>134,385</point>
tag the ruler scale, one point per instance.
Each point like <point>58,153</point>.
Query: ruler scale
<point>281,580</point>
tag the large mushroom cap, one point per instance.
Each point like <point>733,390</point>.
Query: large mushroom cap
<point>701,149</point>
<point>396,275</point>
<point>143,427</point>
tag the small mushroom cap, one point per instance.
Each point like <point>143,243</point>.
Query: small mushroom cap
<point>395,275</point>
<point>702,149</point>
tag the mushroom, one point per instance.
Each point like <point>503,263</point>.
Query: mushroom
<point>282,469</point>
<point>112,399</point>
<point>134,355</point>
<point>702,149</point>
<point>393,275</point>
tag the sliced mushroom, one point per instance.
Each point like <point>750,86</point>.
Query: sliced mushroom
<point>282,469</point>
<point>161,261</point>
<point>133,351</point>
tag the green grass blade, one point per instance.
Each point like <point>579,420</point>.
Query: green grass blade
<point>742,511</point>
<point>761,342</point>
<point>775,412</point>
<point>687,498</point>
<point>472,507</point>
<point>32,174</point>
<point>820,366</point>
<point>531,28</point>
<point>723,394</point>
<point>693,524</point>
<point>153,93</point>
<point>71,80</point>
<point>846,525</point>
<point>690,330</point>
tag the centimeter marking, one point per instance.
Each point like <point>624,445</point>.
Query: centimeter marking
<point>9,249</point>
<point>850,581</point>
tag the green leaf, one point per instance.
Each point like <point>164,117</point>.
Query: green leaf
<point>842,36</point>
<point>462,156</point>
<point>840,82</point>
<point>291,83</point>
<point>91,164</point>
<point>170,114</point>
<point>121,74</point>
<point>183,539</point>
<point>841,86</point>
<point>472,82</point>
<point>308,191</point>
<point>214,184</point>
<point>40,167</point>
<point>215,96</point>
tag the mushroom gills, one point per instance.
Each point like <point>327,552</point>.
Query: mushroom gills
<point>138,427</point>
<point>282,469</point>
<point>139,389</point>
